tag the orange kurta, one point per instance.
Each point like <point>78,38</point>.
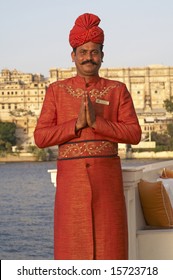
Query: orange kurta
<point>90,216</point>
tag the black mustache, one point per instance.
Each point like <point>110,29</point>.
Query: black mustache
<point>89,61</point>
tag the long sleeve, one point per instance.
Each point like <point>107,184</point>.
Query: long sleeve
<point>116,122</point>
<point>126,129</point>
<point>47,132</point>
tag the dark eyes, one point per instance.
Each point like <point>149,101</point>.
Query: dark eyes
<point>84,52</point>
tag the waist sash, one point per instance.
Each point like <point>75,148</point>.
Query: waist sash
<point>87,149</point>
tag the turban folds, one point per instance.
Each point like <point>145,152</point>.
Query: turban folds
<point>85,30</point>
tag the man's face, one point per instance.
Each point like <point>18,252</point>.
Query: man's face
<point>88,58</point>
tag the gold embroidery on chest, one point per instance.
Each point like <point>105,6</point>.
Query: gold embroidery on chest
<point>95,93</point>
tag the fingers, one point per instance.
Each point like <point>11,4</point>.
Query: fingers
<point>90,112</point>
<point>86,115</point>
<point>81,121</point>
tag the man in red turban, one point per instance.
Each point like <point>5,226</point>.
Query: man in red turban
<point>87,116</point>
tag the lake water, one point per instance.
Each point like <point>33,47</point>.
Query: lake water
<point>26,209</point>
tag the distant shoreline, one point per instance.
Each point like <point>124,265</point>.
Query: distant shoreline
<point>22,157</point>
<point>27,157</point>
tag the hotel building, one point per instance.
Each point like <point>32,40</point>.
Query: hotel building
<point>22,95</point>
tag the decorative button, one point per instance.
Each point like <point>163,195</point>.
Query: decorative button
<point>87,165</point>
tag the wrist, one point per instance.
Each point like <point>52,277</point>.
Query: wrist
<point>93,125</point>
<point>78,126</point>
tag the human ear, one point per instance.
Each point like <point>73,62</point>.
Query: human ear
<point>73,56</point>
<point>102,56</point>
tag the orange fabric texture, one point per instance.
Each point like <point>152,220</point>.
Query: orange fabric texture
<point>156,204</point>
<point>167,173</point>
<point>90,216</point>
<point>86,29</point>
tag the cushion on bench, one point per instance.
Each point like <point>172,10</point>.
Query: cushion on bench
<point>156,205</point>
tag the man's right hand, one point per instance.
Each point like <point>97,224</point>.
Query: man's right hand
<point>81,121</point>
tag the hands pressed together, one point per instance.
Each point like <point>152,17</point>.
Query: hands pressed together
<point>86,117</point>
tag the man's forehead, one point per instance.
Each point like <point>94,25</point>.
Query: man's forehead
<point>89,46</point>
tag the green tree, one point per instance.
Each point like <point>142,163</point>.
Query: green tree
<point>40,154</point>
<point>7,135</point>
<point>168,104</point>
<point>160,139</point>
<point>170,129</point>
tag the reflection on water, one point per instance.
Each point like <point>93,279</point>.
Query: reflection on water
<point>26,207</point>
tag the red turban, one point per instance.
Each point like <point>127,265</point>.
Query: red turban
<point>85,30</point>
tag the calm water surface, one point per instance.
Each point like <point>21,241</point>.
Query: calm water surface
<point>26,209</point>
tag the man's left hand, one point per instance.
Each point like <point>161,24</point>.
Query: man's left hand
<point>90,112</point>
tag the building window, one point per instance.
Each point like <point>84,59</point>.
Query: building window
<point>138,92</point>
<point>3,107</point>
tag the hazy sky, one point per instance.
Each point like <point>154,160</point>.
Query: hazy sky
<point>34,33</point>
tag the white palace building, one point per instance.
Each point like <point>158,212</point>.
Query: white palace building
<point>22,95</point>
